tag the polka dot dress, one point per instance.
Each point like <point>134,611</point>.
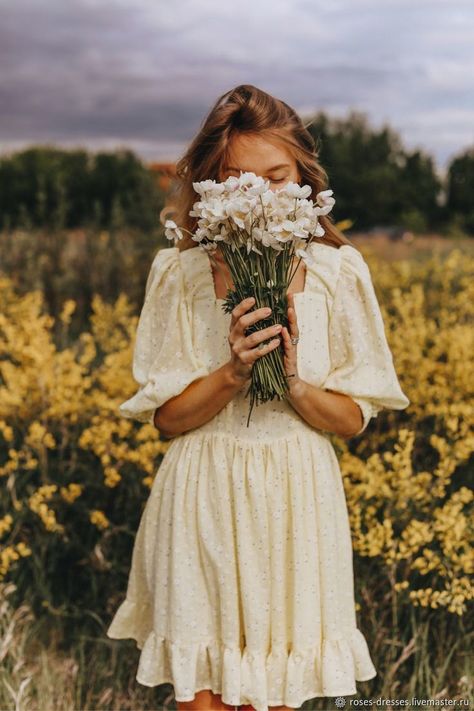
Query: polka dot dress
<point>241,578</point>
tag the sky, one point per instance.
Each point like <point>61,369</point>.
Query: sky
<point>143,74</point>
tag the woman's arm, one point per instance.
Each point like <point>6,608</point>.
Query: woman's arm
<point>326,410</point>
<point>205,397</point>
<point>199,403</point>
<point>323,409</point>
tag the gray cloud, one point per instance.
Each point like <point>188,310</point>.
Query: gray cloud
<point>144,73</point>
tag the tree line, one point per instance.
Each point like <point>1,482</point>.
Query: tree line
<point>46,186</point>
<point>375,179</point>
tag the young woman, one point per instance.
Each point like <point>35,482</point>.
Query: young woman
<point>241,585</point>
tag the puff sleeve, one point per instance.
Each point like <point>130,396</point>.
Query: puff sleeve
<point>361,361</point>
<point>164,361</point>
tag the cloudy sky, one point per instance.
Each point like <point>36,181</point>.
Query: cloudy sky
<point>144,73</point>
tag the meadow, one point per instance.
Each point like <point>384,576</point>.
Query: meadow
<point>75,476</point>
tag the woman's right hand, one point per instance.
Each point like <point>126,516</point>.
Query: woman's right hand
<point>244,349</point>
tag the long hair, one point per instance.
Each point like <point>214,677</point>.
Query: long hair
<point>245,110</point>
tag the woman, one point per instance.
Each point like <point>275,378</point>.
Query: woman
<point>241,585</point>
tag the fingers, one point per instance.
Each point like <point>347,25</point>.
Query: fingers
<point>255,338</point>
<point>292,321</point>
<point>241,309</point>
<point>242,317</point>
<point>247,349</point>
<point>251,347</point>
<point>288,333</point>
<point>262,349</point>
<point>244,358</point>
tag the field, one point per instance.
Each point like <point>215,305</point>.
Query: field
<point>76,476</point>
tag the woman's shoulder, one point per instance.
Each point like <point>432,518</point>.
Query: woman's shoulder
<point>197,274</point>
<point>189,264</point>
<point>165,257</point>
<point>163,271</point>
<point>328,264</point>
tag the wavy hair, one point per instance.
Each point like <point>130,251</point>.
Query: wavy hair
<point>245,110</point>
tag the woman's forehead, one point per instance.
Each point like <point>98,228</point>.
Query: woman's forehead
<point>246,151</point>
<point>252,165</point>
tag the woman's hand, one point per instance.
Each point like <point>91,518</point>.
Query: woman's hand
<point>290,360</point>
<point>245,349</point>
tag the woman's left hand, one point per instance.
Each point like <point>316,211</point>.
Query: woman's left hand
<point>290,352</point>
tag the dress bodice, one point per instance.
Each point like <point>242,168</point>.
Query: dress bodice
<point>183,333</point>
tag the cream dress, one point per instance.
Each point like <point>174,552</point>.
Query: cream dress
<point>241,577</point>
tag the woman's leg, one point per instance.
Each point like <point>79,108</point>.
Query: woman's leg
<point>205,700</point>
<point>248,707</point>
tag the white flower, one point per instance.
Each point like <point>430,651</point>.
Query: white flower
<point>213,210</point>
<point>293,190</point>
<point>325,202</point>
<point>172,230</point>
<point>303,253</point>
<point>250,179</point>
<point>282,233</point>
<point>209,187</point>
<point>258,188</point>
<point>239,209</point>
<point>210,247</point>
<point>232,183</point>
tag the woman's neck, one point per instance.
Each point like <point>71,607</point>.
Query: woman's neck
<point>217,255</point>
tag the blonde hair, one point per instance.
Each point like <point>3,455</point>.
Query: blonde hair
<point>246,110</point>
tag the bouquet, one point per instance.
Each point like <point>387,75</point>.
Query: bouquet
<point>258,231</point>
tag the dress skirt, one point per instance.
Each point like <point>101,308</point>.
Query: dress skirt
<point>242,578</point>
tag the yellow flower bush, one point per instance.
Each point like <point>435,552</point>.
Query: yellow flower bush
<point>63,447</point>
<point>407,486</point>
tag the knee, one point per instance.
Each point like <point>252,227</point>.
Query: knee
<point>205,700</point>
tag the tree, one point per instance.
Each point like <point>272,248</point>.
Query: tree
<point>59,188</point>
<point>374,179</point>
<point>460,188</point>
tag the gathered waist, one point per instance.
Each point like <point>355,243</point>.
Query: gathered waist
<point>268,421</point>
<point>255,438</point>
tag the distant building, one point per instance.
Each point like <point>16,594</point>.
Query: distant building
<point>164,174</point>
